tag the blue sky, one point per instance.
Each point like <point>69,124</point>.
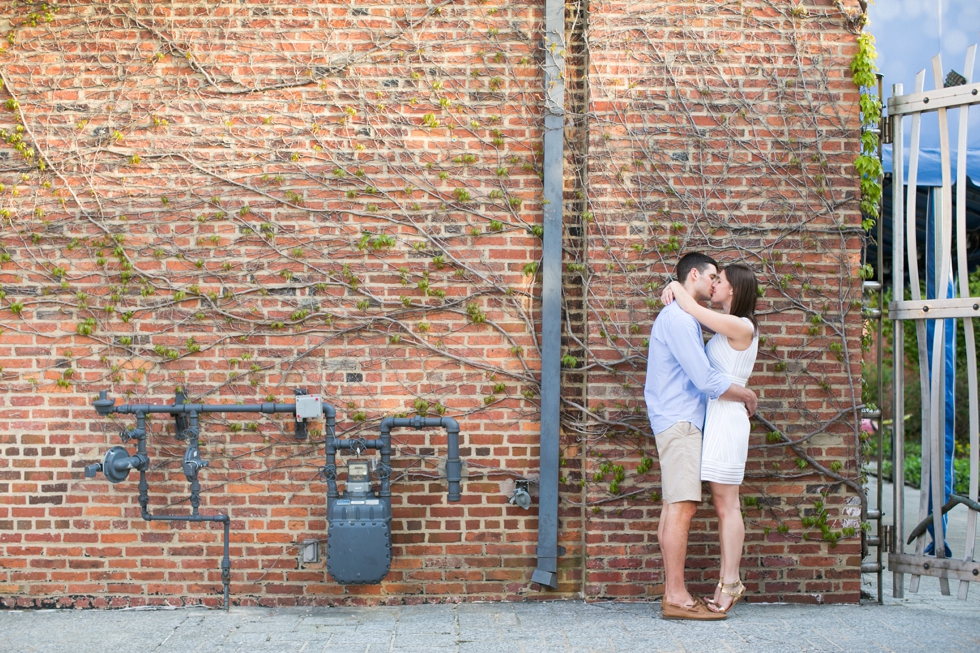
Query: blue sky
<point>909,33</point>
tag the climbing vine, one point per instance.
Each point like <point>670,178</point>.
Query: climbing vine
<point>736,151</point>
<point>239,201</point>
<point>867,163</point>
<point>869,169</point>
<point>236,221</point>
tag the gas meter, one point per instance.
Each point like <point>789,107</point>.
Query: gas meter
<point>359,542</point>
<point>359,518</point>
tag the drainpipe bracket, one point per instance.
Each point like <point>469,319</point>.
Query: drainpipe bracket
<point>547,554</point>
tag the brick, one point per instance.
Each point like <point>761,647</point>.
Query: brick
<point>232,182</point>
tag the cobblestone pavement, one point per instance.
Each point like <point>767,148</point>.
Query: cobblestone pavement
<point>925,621</point>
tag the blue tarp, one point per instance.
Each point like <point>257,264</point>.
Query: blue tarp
<point>930,168</point>
<point>948,424</point>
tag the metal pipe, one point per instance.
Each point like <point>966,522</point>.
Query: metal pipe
<point>546,573</point>
<point>224,519</point>
<point>144,500</point>
<point>171,409</point>
<point>105,406</point>
<point>879,324</point>
<point>192,463</point>
<point>226,563</point>
<point>358,444</point>
<point>454,466</point>
<point>188,427</point>
<point>330,417</point>
<point>898,341</point>
<point>329,470</point>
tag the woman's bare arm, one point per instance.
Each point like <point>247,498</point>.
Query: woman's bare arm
<point>738,331</point>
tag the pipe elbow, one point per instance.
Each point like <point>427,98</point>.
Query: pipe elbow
<point>387,424</point>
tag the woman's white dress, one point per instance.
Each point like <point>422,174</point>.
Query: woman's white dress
<point>726,425</point>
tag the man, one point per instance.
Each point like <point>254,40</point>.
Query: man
<point>679,377</point>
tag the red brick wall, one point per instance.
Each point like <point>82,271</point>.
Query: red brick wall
<point>243,199</point>
<point>728,128</point>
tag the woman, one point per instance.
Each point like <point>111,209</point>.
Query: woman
<point>732,352</point>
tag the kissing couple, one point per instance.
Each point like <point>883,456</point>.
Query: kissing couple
<point>690,384</point>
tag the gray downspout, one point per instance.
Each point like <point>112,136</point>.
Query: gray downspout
<point>548,551</point>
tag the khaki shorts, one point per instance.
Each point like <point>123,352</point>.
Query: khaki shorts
<point>679,448</point>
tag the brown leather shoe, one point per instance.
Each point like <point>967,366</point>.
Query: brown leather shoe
<point>697,612</point>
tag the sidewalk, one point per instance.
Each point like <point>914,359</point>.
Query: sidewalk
<point>925,621</point>
<point>922,622</point>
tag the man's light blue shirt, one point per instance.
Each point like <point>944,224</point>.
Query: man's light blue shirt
<point>679,376</point>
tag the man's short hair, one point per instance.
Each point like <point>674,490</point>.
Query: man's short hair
<point>690,261</point>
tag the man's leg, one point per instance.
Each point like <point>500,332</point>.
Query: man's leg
<point>675,521</point>
<point>679,450</point>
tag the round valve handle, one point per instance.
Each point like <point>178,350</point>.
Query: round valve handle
<point>117,464</point>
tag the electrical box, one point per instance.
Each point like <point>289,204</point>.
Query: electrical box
<point>311,551</point>
<point>308,407</point>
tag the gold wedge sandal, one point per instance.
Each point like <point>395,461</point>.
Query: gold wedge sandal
<point>735,590</point>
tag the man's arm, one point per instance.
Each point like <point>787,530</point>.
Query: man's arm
<point>689,352</point>
<point>736,392</point>
<point>685,344</point>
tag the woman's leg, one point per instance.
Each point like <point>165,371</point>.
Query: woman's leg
<point>731,533</point>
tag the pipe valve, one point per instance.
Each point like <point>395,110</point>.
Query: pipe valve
<point>132,434</point>
<point>103,405</point>
<point>117,464</point>
<point>192,463</point>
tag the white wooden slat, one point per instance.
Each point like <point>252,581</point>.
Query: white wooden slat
<point>971,347</point>
<point>920,327</point>
<point>942,98</point>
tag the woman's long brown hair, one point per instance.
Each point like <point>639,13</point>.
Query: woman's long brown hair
<point>745,291</point>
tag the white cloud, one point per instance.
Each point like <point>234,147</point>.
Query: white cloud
<point>884,12</point>
<point>907,38</point>
<point>954,41</point>
<point>916,8</point>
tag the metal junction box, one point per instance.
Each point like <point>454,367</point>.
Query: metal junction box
<point>308,407</point>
